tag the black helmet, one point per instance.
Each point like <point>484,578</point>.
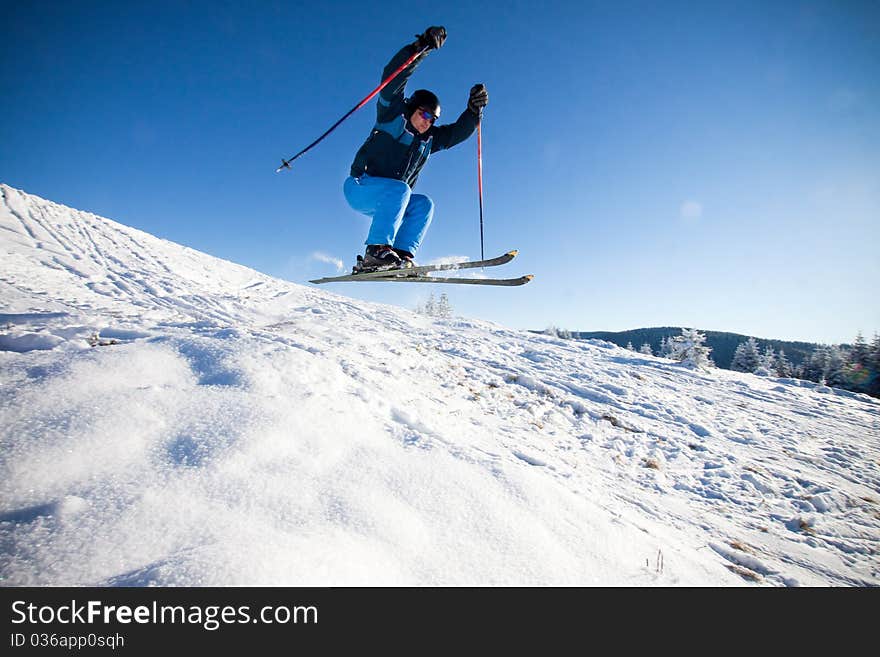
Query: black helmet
<point>423,98</point>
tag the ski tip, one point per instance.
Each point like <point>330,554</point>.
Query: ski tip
<point>513,253</point>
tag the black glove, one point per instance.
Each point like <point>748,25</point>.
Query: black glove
<point>433,38</point>
<point>478,99</point>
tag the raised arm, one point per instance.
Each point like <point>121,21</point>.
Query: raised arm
<point>392,96</point>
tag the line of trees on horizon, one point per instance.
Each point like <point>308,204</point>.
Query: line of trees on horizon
<point>854,367</point>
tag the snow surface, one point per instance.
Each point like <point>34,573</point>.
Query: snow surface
<point>169,418</point>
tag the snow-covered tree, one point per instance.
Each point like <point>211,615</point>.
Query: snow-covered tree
<point>768,358</point>
<point>767,362</point>
<point>430,305</point>
<point>861,352</point>
<point>444,308</point>
<point>629,346</point>
<point>557,332</point>
<point>646,349</point>
<point>836,375</point>
<point>747,357</point>
<point>688,349</point>
<point>783,365</point>
<point>816,366</point>
<point>665,348</point>
<point>826,365</point>
<point>440,308</point>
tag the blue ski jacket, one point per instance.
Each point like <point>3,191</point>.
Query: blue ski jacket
<point>395,149</point>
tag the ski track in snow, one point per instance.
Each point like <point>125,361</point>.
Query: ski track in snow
<point>238,429</point>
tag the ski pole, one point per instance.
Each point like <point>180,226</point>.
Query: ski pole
<point>285,164</point>
<point>480,178</point>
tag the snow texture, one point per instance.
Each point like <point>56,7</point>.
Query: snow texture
<point>169,418</point>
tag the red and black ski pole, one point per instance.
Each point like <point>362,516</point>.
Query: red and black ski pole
<point>480,178</point>
<point>285,164</point>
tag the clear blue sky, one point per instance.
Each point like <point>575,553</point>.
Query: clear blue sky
<point>708,164</point>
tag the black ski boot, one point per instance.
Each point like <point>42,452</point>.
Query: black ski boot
<point>406,258</point>
<point>377,257</point>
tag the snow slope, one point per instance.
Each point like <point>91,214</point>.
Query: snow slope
<point>170,418</point>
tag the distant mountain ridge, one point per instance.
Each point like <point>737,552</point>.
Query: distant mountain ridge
<point>723,343</point>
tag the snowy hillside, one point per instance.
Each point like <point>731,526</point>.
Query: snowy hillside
<point>170,418</point>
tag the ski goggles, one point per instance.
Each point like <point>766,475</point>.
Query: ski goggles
<point>427,115</point>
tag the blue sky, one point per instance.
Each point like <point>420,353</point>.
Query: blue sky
<point>708,164</point>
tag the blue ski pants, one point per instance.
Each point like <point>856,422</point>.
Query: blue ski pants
<point>400,218</point>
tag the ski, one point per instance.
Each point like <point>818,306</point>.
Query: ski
<point>424,278</point>
<point>420,274</point>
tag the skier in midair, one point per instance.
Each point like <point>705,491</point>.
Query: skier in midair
<point>386,167</point>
